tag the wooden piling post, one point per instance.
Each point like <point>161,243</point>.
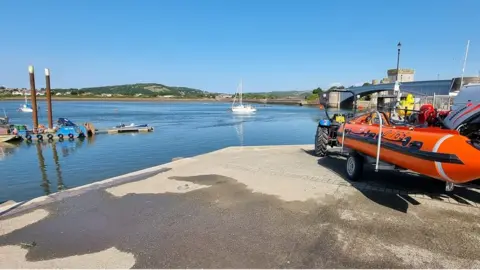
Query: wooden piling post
<point>49,98</point>
<point>33,93</point>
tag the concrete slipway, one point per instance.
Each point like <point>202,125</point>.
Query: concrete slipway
<point>250,207</point>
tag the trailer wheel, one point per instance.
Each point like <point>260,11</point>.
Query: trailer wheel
<point>354,167</point>
<point>321,141</point>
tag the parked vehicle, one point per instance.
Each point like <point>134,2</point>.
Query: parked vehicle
<point>327,128</point>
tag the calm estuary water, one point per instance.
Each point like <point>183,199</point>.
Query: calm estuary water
<point>181,130</point>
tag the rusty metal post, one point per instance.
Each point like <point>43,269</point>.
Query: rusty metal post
<point>49,98</point>
<point>33,93</point>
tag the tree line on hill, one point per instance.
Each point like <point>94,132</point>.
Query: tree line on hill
<point>160,90</point>
<point>144,90</point>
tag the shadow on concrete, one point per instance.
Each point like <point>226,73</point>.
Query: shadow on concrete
<point>397,190</point>
<point>310,152</point>
<point>398,202</point>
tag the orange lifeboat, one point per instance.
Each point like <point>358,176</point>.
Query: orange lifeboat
<point>441,154</point>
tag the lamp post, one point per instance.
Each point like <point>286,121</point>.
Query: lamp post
<point>399,46</point>
<point>396,86</point>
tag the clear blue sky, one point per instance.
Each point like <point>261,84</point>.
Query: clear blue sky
<point>212,44</point>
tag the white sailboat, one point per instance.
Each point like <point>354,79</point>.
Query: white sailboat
<point>241,108</point>
<point>26,107</point>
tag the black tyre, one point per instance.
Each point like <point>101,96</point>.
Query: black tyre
<point>49,136</point>
<point>39,137</point>
<point>354,167</point>
<point>321,141</point>
<point>70,136</point>
<point>60,136</point>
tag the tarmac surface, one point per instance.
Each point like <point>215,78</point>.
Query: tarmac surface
<point>247,207</point>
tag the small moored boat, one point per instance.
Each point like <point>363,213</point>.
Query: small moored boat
<point>132,125</point>
<point>9,138</point>
<point>26,108</point>
<point>6,133</point>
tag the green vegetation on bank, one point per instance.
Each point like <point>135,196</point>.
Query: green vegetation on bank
<point>139,90</point>
<point>148,90</point>
<point>314,95</point>
<point>155,90</point>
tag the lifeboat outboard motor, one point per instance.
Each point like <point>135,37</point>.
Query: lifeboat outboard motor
<point>467,114</point>
<point>466,119</point>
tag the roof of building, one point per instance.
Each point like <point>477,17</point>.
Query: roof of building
<point>422,88</point>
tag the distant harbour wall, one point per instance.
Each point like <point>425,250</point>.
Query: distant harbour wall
<point>277,101</point>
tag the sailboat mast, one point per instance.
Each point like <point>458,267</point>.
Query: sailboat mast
<point>241,90</point>
<point>464,63</point>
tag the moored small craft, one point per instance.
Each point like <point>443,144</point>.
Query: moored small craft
<point>132,125</point>
<point>439,153</point>
<point>25,108</point>
<point>10,138</point>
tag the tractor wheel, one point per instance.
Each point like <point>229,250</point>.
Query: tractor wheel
<point>321,141</point>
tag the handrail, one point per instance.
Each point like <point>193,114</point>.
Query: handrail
<point>380,119</point>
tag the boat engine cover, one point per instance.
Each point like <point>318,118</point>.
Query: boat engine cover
<point>465,114</point>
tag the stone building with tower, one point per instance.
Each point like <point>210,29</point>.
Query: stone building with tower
<point>404,75</point>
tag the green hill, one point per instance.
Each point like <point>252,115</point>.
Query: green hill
<point>145,89</point>
<point>159,90</point>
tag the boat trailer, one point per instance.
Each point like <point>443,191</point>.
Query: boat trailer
<point>356,160</point>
